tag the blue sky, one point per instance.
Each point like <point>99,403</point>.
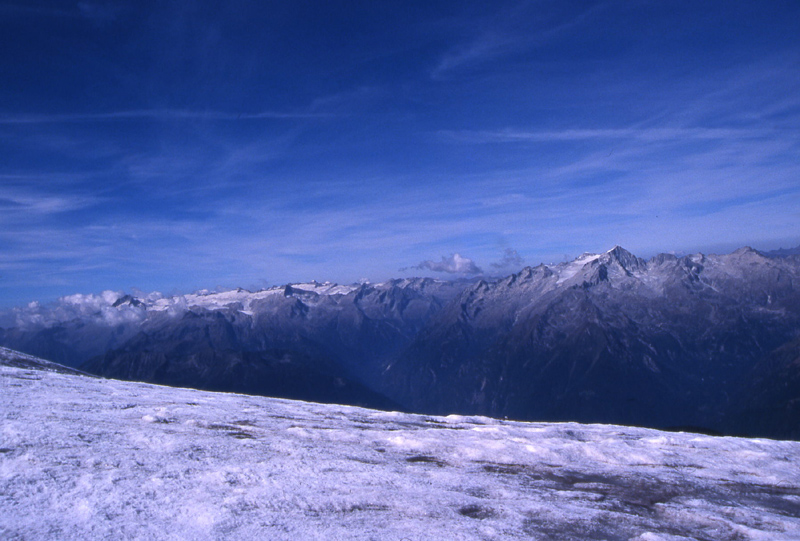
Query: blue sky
<point>176,145</point>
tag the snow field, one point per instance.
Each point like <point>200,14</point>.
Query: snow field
<point>90,458</point>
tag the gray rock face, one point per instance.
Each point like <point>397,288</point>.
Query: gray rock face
<point>708,342</point>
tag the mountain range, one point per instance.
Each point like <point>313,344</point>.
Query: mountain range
<point>702,342</point>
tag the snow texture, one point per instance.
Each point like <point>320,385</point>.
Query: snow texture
<point>88,458</point>
<point>568,270</point>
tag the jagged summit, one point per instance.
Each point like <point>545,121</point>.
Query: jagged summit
<point>662,258</point>
<point>594,268</point>
<point>747,251</point>
<point>129,300</point>
<point>583,268</point>
<point>625,259</point>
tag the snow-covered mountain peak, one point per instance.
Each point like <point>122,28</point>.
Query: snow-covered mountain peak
<point>243,298</point>
<point>697,322</point>
<point>590,267</point>
<point>325,288</point>
<point>625,259</point>
<point>566,271</point>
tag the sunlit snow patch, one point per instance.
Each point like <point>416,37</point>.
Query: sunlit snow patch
<point>568,270</point>
<point>86,458</point>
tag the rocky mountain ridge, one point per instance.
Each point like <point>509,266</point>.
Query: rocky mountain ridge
<point>704,341</point>
<point>609,338</point>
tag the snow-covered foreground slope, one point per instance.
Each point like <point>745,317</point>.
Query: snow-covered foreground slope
<point>86,458</point>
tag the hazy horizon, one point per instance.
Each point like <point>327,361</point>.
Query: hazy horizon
<point>445,269</point>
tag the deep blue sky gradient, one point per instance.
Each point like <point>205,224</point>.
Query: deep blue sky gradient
<point>174,145</point>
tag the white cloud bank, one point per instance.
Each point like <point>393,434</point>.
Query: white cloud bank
<point>95,308</point>
<point>453,264</point>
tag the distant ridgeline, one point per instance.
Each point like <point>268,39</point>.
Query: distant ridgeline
<point>709,343</point>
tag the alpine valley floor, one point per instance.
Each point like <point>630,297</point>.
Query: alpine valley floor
<point>90,458</point>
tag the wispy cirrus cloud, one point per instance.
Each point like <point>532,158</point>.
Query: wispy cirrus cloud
<point>230,160</point>
<point>485,47</point>
<point>510,135</point>
<point>157,115</point>
<point>27,202</point>
<point>504,35</point>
